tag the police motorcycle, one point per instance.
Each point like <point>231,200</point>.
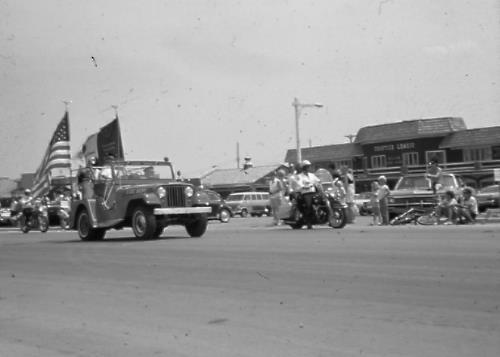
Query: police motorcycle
<point>332,195</point>
<point>34,215</point>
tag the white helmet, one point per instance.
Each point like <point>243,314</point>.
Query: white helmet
<point>306,163</point>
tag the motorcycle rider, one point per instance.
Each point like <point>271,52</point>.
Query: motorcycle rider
<point>25,201</point>
<point>307,184</point>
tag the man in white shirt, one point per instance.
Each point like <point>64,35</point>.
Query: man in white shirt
<point>307,184</point>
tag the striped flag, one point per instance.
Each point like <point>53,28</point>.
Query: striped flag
<point>57,159</point>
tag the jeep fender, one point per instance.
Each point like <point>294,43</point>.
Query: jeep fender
<point>76,208</point>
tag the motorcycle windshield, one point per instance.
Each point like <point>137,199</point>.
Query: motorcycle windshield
<point>324,175</point>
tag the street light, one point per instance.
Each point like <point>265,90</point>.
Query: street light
<point>298,106</point>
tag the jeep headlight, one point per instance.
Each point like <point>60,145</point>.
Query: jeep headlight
<point>161,192</point>
<point>188,191</point>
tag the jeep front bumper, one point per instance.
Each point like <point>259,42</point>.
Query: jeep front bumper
<point>181,210</point>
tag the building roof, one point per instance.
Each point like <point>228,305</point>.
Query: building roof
<point>232,177</point>
<point>472,137</point>
<point>409,129</point>
<point>326,153</point>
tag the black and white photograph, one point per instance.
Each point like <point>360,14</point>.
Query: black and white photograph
<point>259,178</point>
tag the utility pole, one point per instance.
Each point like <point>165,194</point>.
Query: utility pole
<point>350,137</point>
<point>298,106</point>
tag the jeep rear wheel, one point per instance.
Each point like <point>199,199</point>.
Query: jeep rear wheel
<point>85,230</point>
<point>197,228</point>
<point>144,223</point>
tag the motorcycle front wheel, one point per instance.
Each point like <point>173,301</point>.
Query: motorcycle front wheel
<point>23,224</point>
<point>338,218</point>
<point>43,224</point>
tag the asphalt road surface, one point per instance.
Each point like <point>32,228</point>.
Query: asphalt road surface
<point>249,289</point>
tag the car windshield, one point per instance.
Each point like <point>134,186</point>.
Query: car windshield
<point>413,183</point>
<point>234,198</point>
<point>422,183</point>
<point>144,171</point>
<point>490,189</point>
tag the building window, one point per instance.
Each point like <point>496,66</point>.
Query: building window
<point>477,154</point>
<point>410,158</point>
<point>378,161</point>
<point>343,163</point>
<point>436,154</point>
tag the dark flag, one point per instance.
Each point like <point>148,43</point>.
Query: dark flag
<point>57,159</point>
<point>106,142</point>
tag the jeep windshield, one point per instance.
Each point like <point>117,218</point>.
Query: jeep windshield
<point>144,170</point>
<point>422,183</point>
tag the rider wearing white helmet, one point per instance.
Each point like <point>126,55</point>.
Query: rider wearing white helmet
<point>307,185</point>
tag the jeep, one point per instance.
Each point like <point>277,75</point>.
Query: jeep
<point>414,190</point>
<point>143,195</point>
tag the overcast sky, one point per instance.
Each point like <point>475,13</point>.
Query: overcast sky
<point>193,78</point>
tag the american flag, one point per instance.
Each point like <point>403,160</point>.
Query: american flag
<point>57,159</point>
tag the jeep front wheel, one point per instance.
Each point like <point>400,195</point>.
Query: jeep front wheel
<point>144,223</point>
<point>197,228</point>
<point>85,229</point>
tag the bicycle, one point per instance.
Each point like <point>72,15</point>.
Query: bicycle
<point>417,215</point>
<point>409,216</point>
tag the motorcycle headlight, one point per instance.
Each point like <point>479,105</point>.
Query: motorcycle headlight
<point>161,192</point>
<point>188,191</point>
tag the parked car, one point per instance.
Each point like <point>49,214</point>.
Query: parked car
<point>5,212</point>
<point>414,190</point>
<point>249,203</point>
<point>362,201</point>
<point>488,197</point>
<point>220,210</point>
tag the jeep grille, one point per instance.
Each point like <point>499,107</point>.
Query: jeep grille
<point>175,196</point>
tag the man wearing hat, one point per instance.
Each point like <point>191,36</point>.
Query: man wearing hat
<point>307,185</point>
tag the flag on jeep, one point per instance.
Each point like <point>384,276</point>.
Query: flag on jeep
<point>56,161</point>
<point>107,141</point>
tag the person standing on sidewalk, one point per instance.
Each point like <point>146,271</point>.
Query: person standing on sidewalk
<point>383,199</point>
<point>375,204</point>
<point>277,191</point>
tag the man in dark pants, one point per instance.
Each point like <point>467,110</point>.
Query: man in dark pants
<point>307,184</point>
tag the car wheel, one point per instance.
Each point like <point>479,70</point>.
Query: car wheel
<point>85,230</point>
<point>244,213</point>
<point>297,225</point>
<point>224,215</point>
<point>197,228</point>
<point>144,223</point>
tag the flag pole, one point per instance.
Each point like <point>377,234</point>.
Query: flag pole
<point>66,104</point>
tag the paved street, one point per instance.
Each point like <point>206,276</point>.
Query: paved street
<point>249,289</point>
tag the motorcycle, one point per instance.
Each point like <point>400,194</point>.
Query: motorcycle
<point>34,216</point>
<point>63,213</point>
<point>331,196</point>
